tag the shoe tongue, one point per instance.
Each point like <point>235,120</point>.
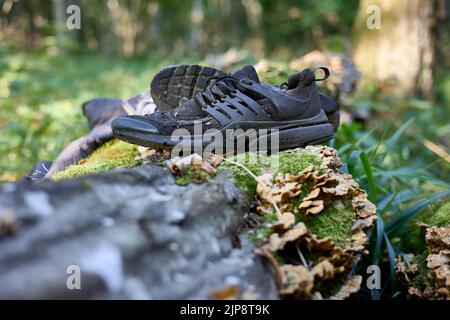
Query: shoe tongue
<point>188,110</point>
<point>247,71</point>
<point>301,79</point>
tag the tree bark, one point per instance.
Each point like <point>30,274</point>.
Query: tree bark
<point>197,15</point>
<point>133,234</point>
<point>399,56</point>
<point>59,23</point>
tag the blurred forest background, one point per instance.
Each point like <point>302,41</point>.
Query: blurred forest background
<point>395,132</point>
<point>47,70</point>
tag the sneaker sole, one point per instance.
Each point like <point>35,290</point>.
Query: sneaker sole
<point>176,84</point>
<point>288,138</point>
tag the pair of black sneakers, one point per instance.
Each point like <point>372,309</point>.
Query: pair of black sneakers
<point>199,105</point>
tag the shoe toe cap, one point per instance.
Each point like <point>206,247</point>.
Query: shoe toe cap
<point>133,124</point>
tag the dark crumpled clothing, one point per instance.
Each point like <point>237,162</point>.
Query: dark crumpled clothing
<point>99,112</point>
<point>81,148</point>
<point>102,110</point>
<point>38,172</point>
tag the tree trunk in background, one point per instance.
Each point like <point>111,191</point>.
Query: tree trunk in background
<point>74,35</point>
<point>126,23</point>
<point>154,12</point>
<point>197,15</point>
<point>253,10</point>
<point>400,56</point>
<point>108,39</point>
<point>59,22</point>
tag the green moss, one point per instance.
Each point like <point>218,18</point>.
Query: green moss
<point>86,185</point>
<point>251,161</point>
<point>441,217</point>
<point>331,287</point>
<point>421,261</point>
<point>414,243</point>
<point>263,231</point>
<point>295,162</point>
<point>260,234</point>
<point>305,190</point>
<point>280,259</point>
<point>280,163</point>
<point>192,175</point>
<point>270,217</point>
<point>334,222</point>
<point>437,214</point>
<point>113,154</point>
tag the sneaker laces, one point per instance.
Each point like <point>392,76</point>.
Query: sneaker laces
<point>308,80</point>
<point>283,86</point>
<point>217,90</point>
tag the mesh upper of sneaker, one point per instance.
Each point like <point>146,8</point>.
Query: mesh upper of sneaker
<point>192,111</point>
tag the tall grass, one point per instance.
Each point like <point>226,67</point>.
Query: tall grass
<point>400,188</point>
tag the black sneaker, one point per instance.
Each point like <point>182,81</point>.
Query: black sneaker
<point>237,101</point>
<point>174,85</point>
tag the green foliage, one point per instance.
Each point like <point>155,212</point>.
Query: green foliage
<point>289,22</point>
<point>420,121</point>
<point>282,28</point>
<point>399,180</point>
<point>275,72</point>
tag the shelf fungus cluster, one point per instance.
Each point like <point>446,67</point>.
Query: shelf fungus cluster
<point>309,264</point>
<point>428,277</point>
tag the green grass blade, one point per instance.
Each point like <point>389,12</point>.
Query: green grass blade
<point>391,254</point>
<point>379,240</point>
<point>369,174</point>
<point>383,205</point>
<point>378,145</point>
<point>412,211</point>
<point>364,137</point>
<point>399,172</point>
<point>390,143</point>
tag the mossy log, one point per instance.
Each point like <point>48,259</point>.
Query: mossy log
<point>137,233</point>
<point>424,273</point>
